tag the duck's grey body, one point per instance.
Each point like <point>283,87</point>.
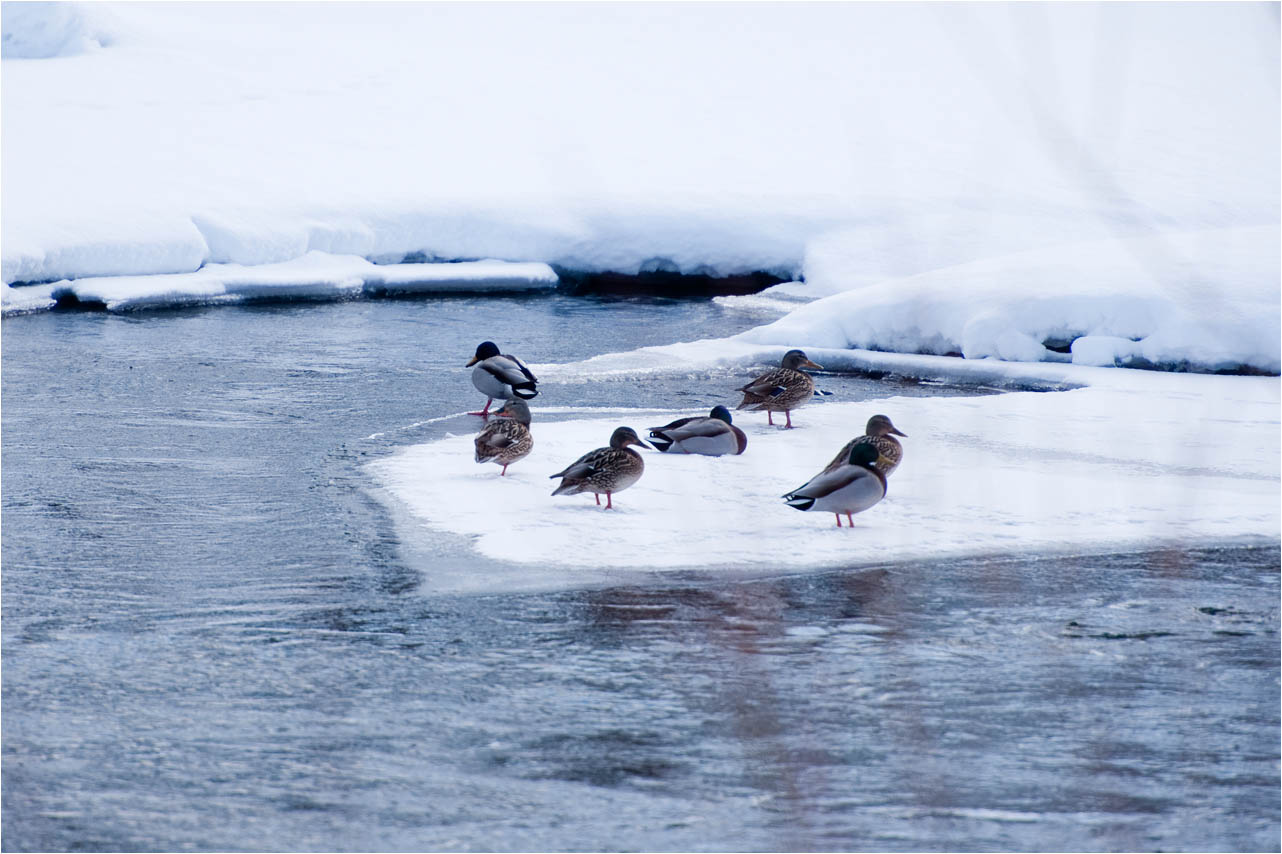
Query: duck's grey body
<point>850,488</point>
<point>500,377</point>
<point>507,438</point>
<point>712,436</point>
<point>878,434</point>
<point>605,470</point>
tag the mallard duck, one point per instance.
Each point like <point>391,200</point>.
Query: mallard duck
<point>782,389</point>
<point>878,434</point>
<point>849,488</point>
<point>607,470</point>
<point>499,377</point>
<point>711,436</point>
<point>507,438</point>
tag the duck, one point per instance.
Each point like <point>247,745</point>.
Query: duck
<point>850,488</point>
<point>712,436</point>
<point>605,470</point>
<point>878,434</point>
<point>782,389</point>
<point>507,438</point>
<point>500,377</point>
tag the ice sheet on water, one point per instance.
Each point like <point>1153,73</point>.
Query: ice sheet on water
<point>315,275</point>
<point>1126,463</point>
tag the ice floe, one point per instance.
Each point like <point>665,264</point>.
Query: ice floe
<point>1133,460</point>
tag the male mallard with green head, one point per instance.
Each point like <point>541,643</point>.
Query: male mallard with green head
<point>507,438</point>
<point>782,389</point>
<point>850,488</point>
<point>499,377</point>
<point>878,434</point>
<point>605,470</point>
<point>712,436</point>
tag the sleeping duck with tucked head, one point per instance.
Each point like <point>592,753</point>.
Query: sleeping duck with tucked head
<point>712,436</point>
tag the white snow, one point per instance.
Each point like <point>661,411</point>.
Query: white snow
<point>1129,460</point>
<point>928,146</point>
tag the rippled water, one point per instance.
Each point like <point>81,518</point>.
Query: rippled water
<point>212,639</point>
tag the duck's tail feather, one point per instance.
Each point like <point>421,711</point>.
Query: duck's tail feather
<point>660,441</point>
<point>801,502</point>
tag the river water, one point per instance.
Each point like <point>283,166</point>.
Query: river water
<point>214,640</point>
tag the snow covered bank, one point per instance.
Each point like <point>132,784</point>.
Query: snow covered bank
<point>1139,460</point>
<point>1207,300</point>
<point>314,276</point>
<point>723,136</point>
<point>40,30</point>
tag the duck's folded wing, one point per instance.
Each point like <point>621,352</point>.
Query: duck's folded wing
<point>700,428</point>
<point>667,428</point>
<point>520,366</point>
<point>504,370</point>
<point>828,482</point>
<point>583,467</point>
<point>497,440</point>
<point>766,385</point>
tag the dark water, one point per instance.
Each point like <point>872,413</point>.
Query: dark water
<point>212,640</point>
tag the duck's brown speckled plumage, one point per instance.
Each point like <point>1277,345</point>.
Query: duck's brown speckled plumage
<point>507,438</point>
<point>605,470</point>
<point>878,434</point>
<point>782,389</point>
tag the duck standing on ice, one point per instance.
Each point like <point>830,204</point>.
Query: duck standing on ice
<point>782,389</point>
<point>500,377</point>
<point>878,434</point>
<point>607,470</point>
<point>507,438</point>
<point>850,488</point>
<point>711,436</point>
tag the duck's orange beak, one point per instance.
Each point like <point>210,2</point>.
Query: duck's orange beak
<point>472,362</point>
<point>810,364</point>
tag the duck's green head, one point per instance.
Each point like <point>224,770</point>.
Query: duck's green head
<point>484,350</point>
<point>720,413</point>
<point>864,454</point>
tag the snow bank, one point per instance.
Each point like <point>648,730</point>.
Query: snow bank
<point>1174,459</point>
<point>39,30</point>
<point>316,276</point>
<point>722,136</point>
<point>1206,300</point>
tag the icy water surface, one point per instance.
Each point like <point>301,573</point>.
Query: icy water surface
<point>211,639</point>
